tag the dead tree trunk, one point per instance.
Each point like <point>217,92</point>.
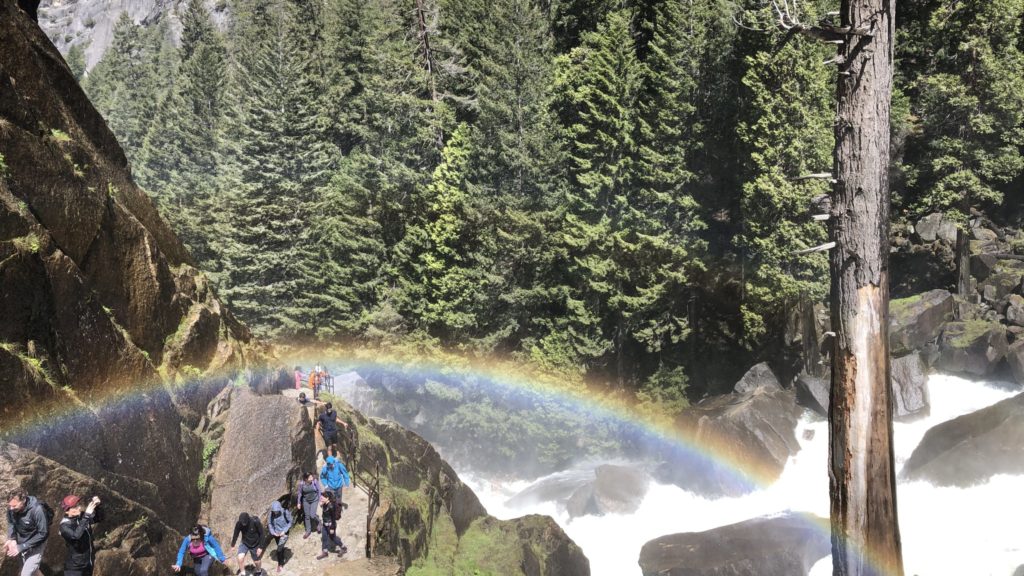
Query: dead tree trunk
<point>865,529</point>
<point>963,263</point>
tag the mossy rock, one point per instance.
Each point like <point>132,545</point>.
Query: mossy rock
<point>972,348</point>
<point>918,320</point>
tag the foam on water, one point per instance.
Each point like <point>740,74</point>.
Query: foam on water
<point>945,531</point>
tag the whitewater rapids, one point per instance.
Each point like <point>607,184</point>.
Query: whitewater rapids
<point>945,531</point>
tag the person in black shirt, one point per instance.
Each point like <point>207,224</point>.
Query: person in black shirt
<point>76,528</point>
<point>251,530</point>
<point>327,424</point>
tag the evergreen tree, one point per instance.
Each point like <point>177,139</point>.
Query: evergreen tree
<point>76,61</point>
<point>603,83</point>
<point>969,105</point>
<point>179,157</point>
<point>129,80</point>
<point>786,128</point>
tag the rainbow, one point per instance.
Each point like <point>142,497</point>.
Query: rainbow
<point>512,380</point>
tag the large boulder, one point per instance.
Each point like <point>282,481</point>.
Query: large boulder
<point>917,320</point>
<point>1015,310</point>
<point>972,448</point>
<point>813,392</point>
<point>759,376</point>
<point>909,387</point>
<point>786,545</point>
<point>757,428</point>
<point>132,538</point>
<point>254,467</point>
<point>613,490</point>
<point>972,348</point>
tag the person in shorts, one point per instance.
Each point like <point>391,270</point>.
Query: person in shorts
<point>251,530</point>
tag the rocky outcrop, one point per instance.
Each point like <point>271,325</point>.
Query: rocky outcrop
<point>267,444</point>
<point>613,490</point>
<point>132,539</point>
<point>786,545</point>
<point>90,23</point>
<point>757,429</point>
<point>813,392</point>
<point>909,380</point>
<point>428,518</point>
<point>972,448</point>
<point>759,376</point>
<point>917,320</point>
<point>972,348</point>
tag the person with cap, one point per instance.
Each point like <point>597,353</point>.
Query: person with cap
<point>28,527</point>
<point>251,530</point>
<point>329,526</point>
<point>279,522</point>
<point>76,529</point>
<point>203,548</point>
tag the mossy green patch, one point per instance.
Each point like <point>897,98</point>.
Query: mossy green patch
<point>971,332</point>
<point>901,306</point>
<point>59,136</point>
<point>486,549</point>
<point>27,243</point>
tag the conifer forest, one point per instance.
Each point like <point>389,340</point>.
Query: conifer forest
<point>624,191</point>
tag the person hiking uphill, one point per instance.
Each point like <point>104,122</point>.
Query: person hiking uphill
<point>28,527</point>
<point>327,425</point>
<point>279,522</point>
<point>203,548</point>
<point>329,526</point>
<point>334,476</point>
<point>308,498</point>
<point>251,530</point>
<point>76,529</point>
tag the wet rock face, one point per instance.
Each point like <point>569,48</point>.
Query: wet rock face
<point>787,545</point>
<point>613,490</point>
<point>267,445</point>
<point>757,428</point>
<point>972,448</point>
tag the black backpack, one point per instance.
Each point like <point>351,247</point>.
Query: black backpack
<point>47,511</point>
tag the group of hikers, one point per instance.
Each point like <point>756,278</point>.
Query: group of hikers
<point>318,379</point>
<point>317,497</point>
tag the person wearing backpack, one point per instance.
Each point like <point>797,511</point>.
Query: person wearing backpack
<point>329,512</point>
<point>307,499</point>
<point>76,529</point>
<point>251,530</point>
<point>28,527</point>
<point>203,548</point>
<point>279,522</point>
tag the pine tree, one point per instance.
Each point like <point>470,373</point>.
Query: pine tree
<point>179,157</point>
<point>786,128</point>
<point>76,61</point>
<point>129,80</point>
<point>603,83</point>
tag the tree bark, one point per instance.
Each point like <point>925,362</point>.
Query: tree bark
<point>862,482</point>
<point>963,263</point>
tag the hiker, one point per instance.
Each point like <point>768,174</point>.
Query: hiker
<point>279,522</point>
<point>28,527</point>
<point>334,476</point>
<point>327,424</point>
<point>298,378</point>
<point>76,528</point>
<point>251,530</point>
<point>203,548</point>
<point>305,401</point>
<point>329,526</point>
<point>314,382</point>
<point>308,497</point>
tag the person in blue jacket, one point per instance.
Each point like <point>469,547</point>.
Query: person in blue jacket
<point>203,548</point>
<point>334,476</point>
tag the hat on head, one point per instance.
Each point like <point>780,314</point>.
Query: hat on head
<point>69,502</point>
